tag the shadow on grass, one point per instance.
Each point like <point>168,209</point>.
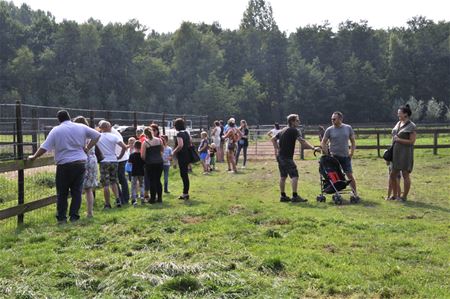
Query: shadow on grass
<point>424,205</point>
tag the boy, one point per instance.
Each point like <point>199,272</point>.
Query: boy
<point>212,156</point>
<point>137,173</point>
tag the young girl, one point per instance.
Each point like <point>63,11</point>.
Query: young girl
<point>203,151</point>
<point>130,150</point>
<point>167,158</point>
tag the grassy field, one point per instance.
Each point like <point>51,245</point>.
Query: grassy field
<point>234,239</point>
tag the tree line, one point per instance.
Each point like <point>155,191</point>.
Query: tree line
<point>256,72</point>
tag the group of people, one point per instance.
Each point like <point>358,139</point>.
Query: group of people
<point>335,141</point>
<point>148,155</point>
<point>81,151</point>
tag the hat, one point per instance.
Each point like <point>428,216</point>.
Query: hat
<point>231,120</point>
<point>213,145</point>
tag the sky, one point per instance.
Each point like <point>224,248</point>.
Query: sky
<point>167,15</point>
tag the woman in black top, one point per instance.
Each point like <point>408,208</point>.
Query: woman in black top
<point>182,143</point>
<point>243,143</point>
<point>151,153</point>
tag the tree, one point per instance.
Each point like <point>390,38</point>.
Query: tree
<point>435,110</point>
<point>259,16</point>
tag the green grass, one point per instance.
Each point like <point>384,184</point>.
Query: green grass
<point>235,240</point>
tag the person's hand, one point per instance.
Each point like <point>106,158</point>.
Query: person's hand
<point>396,138</point>
<point>350,155</point>
<point>31,158</point>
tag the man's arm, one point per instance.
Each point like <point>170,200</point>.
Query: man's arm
<point>308,145</point>
<point>37,154</point>
<point>324,145</point>
<point>91,144</point>
<point>122,152</point>
<point>275,144</point>
<point>353,146</point>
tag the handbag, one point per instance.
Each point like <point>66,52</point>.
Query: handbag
<point>98,154</point>
<point>388,154</point>
<point>193,154</point>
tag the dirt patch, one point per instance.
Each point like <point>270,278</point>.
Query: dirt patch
<point>192,219</point>
<point>235,209</point>
<point>277,222</point>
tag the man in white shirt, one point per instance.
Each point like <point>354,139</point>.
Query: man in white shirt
<point>109,165</point>
<point>68,140</point>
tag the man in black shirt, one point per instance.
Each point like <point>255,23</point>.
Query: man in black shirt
<point>285,156</point>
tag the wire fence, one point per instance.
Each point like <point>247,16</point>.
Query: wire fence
<point>29,188</point>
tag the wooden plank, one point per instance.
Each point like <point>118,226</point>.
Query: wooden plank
<point>27,207</point>
<point>25,164</point>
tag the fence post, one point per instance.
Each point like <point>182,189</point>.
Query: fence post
<point>92,119</point>
<point>378,145</point>
<point>164,123</point>
<point>108,117</point>
<point>435,143</point>
<point>135,122</point>
<point>256,141</point>
<point>34,129</point>
<point>20,172</point>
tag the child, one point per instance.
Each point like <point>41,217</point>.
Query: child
<point>167,157</point>
<point>130,150</point>
<point>137,173</point>
<point>212,156</point>
<point>203,151</point>
<point>390,188</point>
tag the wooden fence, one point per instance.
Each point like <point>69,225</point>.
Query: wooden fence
<point>260,146</point>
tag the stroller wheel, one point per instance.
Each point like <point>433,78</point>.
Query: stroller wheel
<point>321,198</point>
<point>337,199</point>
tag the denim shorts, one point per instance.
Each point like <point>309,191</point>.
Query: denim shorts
<point>203,156</point>
<point>287,167</point>
<point>346,163</point>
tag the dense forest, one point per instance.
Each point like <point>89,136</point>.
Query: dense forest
<point>256,72</point>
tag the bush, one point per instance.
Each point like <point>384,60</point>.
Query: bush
<point>435,110</point>
<point>417,108</point>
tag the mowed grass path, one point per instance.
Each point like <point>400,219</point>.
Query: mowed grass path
<point>234,239</point>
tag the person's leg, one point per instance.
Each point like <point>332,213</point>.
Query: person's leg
<point>283,185</point>
<point>134,188</point>
<point>184,176</point>
<point>104,180</point>
<point>406,184</point>
<point>62,192</point>
<point>89,202</point>
<point>159,170</point>
<point>76,189</point>
<point>146,183</point>
<point>152,171</point>
<point>113,178</point>
<point>294,183</point>
<point>245,155</point>
<point>141,186</point>
<point>353,182</point>
<point>166,178</point>
<point>238,152</point>
<point>125,193</point>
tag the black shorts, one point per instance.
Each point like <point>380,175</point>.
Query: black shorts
<point>287,167</point>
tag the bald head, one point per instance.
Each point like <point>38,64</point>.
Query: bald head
<point>104,125</point>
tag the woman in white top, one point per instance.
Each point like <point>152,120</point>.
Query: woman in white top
<point>215,134</point>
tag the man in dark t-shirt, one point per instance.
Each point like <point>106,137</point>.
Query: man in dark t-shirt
<point>285,148</point>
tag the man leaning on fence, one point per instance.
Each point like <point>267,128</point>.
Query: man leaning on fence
<point>68,141</point>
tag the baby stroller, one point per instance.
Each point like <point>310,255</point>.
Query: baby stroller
<point>332,180</point>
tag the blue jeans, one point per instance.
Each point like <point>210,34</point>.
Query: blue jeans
<point>166,177</point>
<point>244,152</point>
